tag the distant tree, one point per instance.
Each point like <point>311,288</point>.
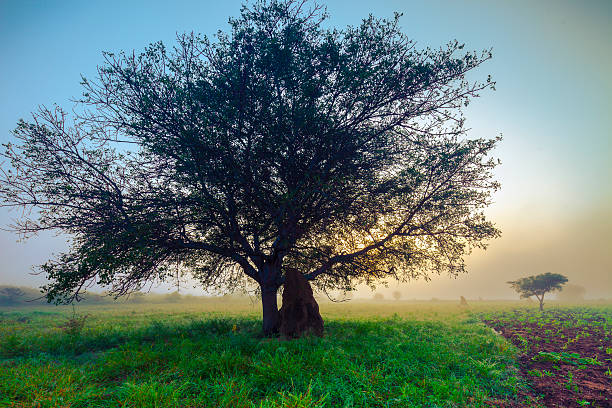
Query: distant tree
<point>11,295</point>
<point>173,297</point>
<point>538,285</point>
<point>572,293</point>
<point>137,297</point>
<point>463,301</point>
<point>378,296</point>
<point>397,294</point>
<point>283,143</point>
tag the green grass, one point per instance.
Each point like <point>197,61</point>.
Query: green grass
<point>393,354</point>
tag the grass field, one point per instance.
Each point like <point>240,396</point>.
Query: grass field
<point>211,354</point>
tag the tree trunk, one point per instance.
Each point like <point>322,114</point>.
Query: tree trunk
<point>271,317</point>
<point>541,303</point>
<point>269,273</point>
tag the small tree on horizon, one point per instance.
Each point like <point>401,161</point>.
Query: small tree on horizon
<point>538,285</point>
<point>341,153</point>
<point>397,294</point>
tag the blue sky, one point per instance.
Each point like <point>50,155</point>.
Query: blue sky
<point>552,63</point>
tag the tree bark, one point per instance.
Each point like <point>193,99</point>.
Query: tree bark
<point>271,317</point>
<point>269,274</point>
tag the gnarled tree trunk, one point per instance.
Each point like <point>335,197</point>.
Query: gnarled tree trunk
<point>271,315</point>
<point>269,274</point>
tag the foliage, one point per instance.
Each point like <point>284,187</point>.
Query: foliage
<point>75,324</point>
<point>538,285</point>
<point>142,356</point>
<point>341,153</point>
<point>173,297</point>
<point>565,357</point>
<point>11,295</point>
<point>26,296</point>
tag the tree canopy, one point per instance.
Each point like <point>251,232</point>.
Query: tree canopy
<point>538,285</point>
<point>282,143</point>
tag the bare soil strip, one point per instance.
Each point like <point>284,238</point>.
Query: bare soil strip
<point>566,357</point>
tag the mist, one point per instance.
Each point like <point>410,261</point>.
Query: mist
<point>578,247</point>
<point>551,63</point>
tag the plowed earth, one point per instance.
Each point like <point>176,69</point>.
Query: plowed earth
<point>566,356</point>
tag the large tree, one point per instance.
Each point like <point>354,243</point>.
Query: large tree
<point>282,143</point>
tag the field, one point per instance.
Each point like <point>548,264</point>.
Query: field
<point>211,354</point>
<point>566,353</point>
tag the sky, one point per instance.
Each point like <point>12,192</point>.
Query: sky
<point>552,61</point>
